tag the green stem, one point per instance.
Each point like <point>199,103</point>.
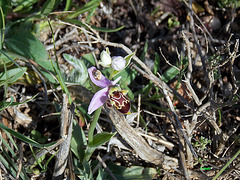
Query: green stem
<point>220,117</point>
<point>3,28</point>
<point>111,73</point>
<point>6,84</point>
<point>57,69</point>
<point>228,163</point>
<point>93,124</point>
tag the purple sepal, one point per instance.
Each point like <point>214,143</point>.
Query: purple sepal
<point>98,100</point>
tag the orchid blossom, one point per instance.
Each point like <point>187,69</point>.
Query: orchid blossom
<point>105,58</point>
<point>117,63</point>
<point>111,93</point>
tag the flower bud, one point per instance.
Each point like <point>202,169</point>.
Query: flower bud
<point>118,63</point>
<point>105,59</point>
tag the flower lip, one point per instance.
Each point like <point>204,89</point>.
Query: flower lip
<point>120,101</point>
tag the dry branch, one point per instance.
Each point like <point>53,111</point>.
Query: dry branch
<point>64,147</point>
<point>138,143</point>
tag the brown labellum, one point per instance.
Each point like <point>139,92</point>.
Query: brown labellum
<point>120,101</point>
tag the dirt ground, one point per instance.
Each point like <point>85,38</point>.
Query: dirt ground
<point>190,121</point>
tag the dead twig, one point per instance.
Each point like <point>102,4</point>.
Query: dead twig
<point>189,73</point>
<point>139,145</point>
<point>66,133</point>
<point>20,161</point>
<point>203,60</point>
<point>167,144</point>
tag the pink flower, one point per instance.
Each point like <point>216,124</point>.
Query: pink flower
<point>110,91</point>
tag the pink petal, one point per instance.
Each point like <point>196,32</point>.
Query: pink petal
<point>98,100</point>
<point>103,82</point>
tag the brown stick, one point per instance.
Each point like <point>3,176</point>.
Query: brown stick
<point>138,143</point>
<point>65,132</point>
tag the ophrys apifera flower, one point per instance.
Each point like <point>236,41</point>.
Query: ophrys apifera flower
<point>110,92</point>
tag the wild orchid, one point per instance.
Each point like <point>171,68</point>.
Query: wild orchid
<point>111,93</point>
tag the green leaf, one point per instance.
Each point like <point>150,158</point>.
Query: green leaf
<point>228,164</point>
<point>78,141</point>
<point>20,136</point>
<point>8,147</point>
<point>6,7</point>
<point>2,26</point>
<point>134,172</point>
<point>12,141</point>
<point>38,160</point>
<point>12,165</point>
<point>93,124</point>
<point>48,7</point>
<point>84,172</point>
<point>6,164</point>
<point>101,174</point>
<point>46,163</point>
<point>102,29</point>
<point>169,74</point>
<point>172,72</point>
<point>143,90</point>
<point>90,60</point>
<point>9,56</point>
<point>7,60</point>
<point>128,75</point>
<point>154,97</point>
<point>156,63</point>
<point>35,134</point>
<point>100,139</point>
<point>142,57</point>
<point>24,138</point>
<point>130,93</point>
<point>12,75</point>
<point>79,73</point>
<point>155,106</point>
<point>24,5</point>
<point>68,5</point>
<point>25,44</point>
<point>47,69</point>
<point>87,7</point>
<point>128,58</point>
<point>4,104</point>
